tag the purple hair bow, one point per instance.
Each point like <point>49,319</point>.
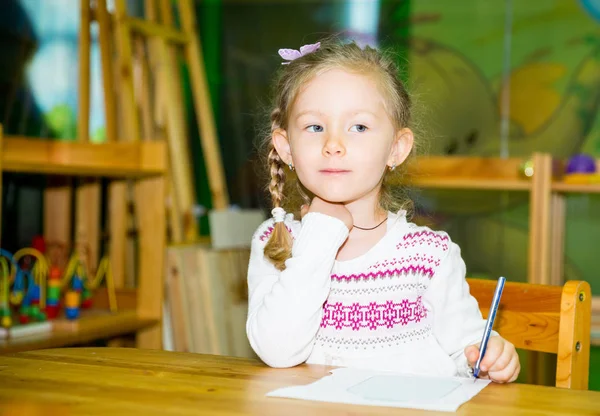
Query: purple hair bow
<point>291,54</point>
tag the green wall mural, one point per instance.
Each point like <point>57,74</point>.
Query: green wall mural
<point>542,79</point>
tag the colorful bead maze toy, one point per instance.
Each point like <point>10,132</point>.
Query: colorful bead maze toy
<point>22,308</point>
<point>79,286</point>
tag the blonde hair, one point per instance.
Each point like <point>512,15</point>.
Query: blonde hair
<point>290,193</point>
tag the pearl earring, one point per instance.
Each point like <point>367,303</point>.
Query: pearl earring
<point>393,167</point>
<point>291,166</point>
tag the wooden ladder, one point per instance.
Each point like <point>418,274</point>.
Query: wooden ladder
<point>163,42</point>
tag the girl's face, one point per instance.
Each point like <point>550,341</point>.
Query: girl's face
<point>340,137</point>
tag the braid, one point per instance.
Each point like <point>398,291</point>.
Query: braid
<point>277,177</point>
<point>279,246</point>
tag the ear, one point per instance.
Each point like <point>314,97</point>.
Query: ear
<point>282,145</point>
<point>401,147</point>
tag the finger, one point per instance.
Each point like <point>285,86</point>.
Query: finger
<point>492,353</point>
<point>472,354</point>
<point>506,357</point>
<point>516,373</point>
<point>507,373</point>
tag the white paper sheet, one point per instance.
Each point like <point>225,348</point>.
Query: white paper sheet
<point>377,388</point>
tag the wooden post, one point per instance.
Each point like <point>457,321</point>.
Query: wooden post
<point>88,201</point>
<point>574,337</point>
<point>539,220</point>
<point>150,197</point>
<point>117,192</point>
<point>180,164</point>
<point>83,118</point>
<point>557,257</point>
<point>144,95</point>
<point>169,78</point>
<point>541,367</point>
<point>106,57</point>
<point>57,211</point>
<point>202,104</point>
<point>127,96</point>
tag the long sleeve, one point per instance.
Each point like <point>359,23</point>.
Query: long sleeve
<point>457,320</point>
<point>285,307</point>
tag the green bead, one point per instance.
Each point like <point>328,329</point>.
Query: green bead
<point>34,311</point>
<point>53,293</point>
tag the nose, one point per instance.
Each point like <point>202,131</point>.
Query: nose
<point>333,147</point>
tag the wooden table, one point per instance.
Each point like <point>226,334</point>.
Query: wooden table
<point>107,381</point>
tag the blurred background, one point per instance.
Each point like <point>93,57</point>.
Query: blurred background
<point>500,78</point>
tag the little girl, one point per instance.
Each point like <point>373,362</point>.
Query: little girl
<point>353,283</point>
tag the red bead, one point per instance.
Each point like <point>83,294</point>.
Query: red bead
<point>23,319</point>
<point>87,303</point>
<point>39,244</point>
<point>52,311</point>
<point>54,273</point>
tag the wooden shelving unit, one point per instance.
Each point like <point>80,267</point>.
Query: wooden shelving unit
<point>476,173</point>
<point>116,159</point>
<point>140,309</point>
<point>90,328</point>
<point>547,205</point>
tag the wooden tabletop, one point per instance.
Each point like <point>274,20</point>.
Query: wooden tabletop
<point>107,381</point>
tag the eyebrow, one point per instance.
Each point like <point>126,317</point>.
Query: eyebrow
<point>309,112</point>
<point>354,113</point>
<point>319,113</point>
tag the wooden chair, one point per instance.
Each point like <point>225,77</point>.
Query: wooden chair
<point>553,319</point>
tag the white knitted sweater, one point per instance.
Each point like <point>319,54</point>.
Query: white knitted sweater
<point>402,306</point>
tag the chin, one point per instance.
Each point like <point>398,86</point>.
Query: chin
<point>335,196</point>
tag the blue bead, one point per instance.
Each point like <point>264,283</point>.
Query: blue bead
<point>72,313</point>
<point>77,283</point>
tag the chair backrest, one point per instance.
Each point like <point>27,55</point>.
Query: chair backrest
<point>554,319</point>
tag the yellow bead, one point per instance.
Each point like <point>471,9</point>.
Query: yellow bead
<point>72,299</point>
<point>16,298</point>
<point>6,321</point>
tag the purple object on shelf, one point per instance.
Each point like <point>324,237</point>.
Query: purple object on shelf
<point>581,163</point>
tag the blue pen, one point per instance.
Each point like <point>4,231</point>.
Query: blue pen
<point>489,324</point>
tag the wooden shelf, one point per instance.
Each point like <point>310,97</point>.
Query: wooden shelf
<point>474,184</point>
<point>88,329</point>
<point>592,188</point>
<point>476,173</point>
<point>122,159</point>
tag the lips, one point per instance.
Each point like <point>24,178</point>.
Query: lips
<point>334,171</point>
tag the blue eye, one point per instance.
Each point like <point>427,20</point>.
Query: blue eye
<point>315,128</point>
<point>360,128</point>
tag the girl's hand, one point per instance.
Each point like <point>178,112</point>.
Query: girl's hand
<point>338,211</point>
<point>500,363</point>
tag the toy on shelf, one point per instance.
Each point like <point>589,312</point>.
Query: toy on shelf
<point>72,300</point>
<point>57,259</point>
<point>581,169</point>
<point>104,272</point>
<point>22,308</point>
<point>526,168</point>
<point>33,300</point>
<point>33,287</point>
<point>5,315</point>
<point>53,293</point>
<point>79,294</point>
<point>74,279</point>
